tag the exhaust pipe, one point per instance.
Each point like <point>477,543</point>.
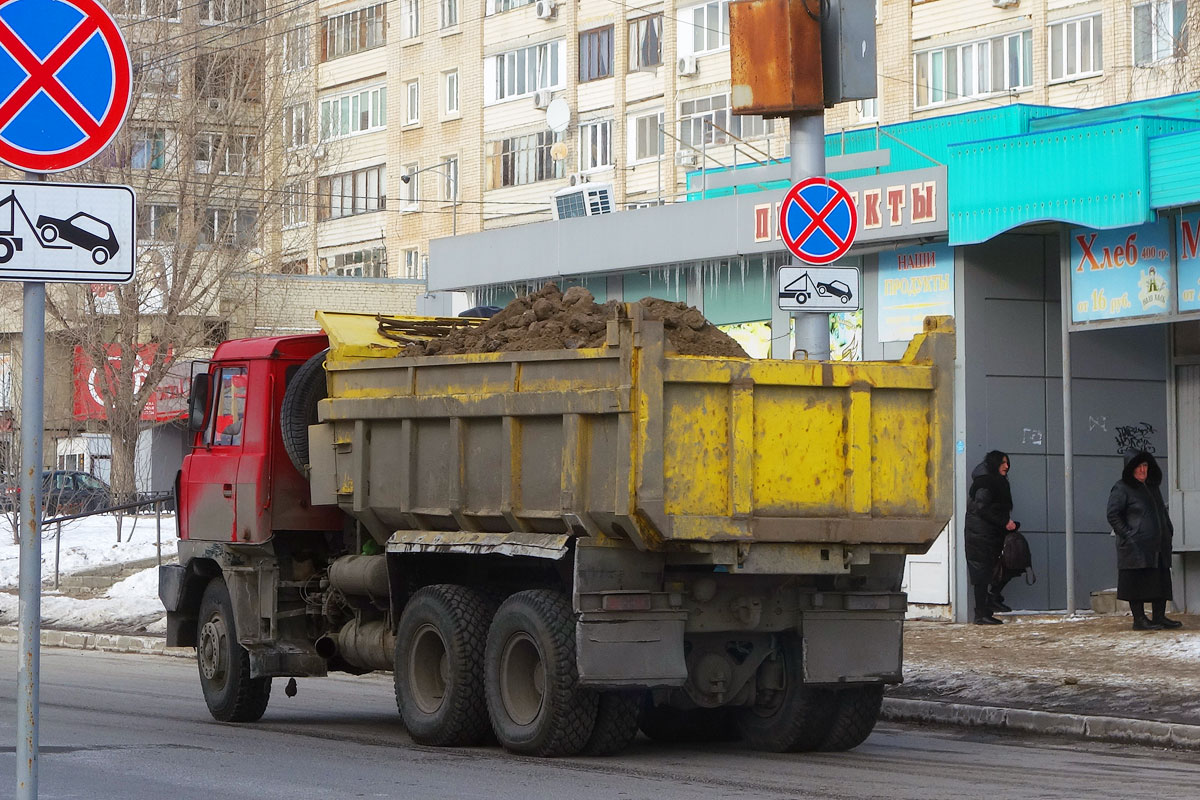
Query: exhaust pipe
<point>361,575</point>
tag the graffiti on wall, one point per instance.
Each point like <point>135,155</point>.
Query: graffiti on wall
<point>1134,437</point>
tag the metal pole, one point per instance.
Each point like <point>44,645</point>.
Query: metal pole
<point>1068,445</point>
<point>807,143</point>
<point>660,155</point>
<point>33,352</point>
<point>57,551</point>
<point>158,531</point>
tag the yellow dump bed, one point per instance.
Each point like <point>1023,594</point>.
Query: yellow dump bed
<point>633,442</point>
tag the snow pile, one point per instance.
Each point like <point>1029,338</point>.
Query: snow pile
<point>87,544</point>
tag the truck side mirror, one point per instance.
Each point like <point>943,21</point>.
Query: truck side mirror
<point>198,401</point>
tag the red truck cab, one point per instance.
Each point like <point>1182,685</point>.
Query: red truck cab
<point>237,484</point>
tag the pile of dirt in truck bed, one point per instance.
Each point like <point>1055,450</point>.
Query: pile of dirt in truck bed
<point>550,319</point>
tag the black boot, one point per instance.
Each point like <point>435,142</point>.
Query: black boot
<point>1160,615</point>
<point>987,620</point>
<point>1140,623</point>
<point>997,603</point>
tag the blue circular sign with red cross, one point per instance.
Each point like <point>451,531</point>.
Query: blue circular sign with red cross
<point>818,220</point>
<point>65,82</point>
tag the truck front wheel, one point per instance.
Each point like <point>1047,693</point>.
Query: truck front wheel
<point>439,665</point>
<point>231,694</point>
<point>532,683</point>
<point>787,716</point>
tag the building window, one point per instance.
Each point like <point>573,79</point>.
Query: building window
<point>706,120</point>
<point>449,173</point>
<point>1159,30</point>
<point>1076,48</point>
<point>148,148</point>
<point>646,136</point>
<point>451,84</point>
<point>645,42</point>
<point>350,193</point>
<point>296,51</point>
<point>228,227</point>
<point>368,263</point>
<point>595,145</point>
<point>358,112</point>
<point>411,188</point>
<point>412,265</point>
<point>157,222</point>
<point>522,72</point>
<point>868,110</point>
<point>519,160</point>
<point>295,266</point>
<point>410,19</point>
<point>413,111</point>
<point>704,28</point>
<point>974,69</point>
<point>234,74</point>
<point>449,13</point>
<point>498,6</point>
<point>295,125</point>
<point>596,54</point>
<point>295,204</point>
<point>353,32</point>
<point>243,12</point>
<point>157,9</point>
<point>154,74</point>
<point>227,154</point>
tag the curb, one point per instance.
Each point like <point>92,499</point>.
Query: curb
<point>1107,729</point>
<point>105,642</point>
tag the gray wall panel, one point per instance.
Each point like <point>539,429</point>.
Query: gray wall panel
<point>1016,414</point>
<point>1019,347</point>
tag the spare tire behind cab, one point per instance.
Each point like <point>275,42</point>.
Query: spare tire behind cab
<point>299,409</point>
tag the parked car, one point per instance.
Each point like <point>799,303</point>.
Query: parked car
<point>65,492</point>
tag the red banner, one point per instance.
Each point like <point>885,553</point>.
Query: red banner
<point>94,383</point>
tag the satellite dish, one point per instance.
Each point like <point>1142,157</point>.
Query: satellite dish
<point>558,115</point>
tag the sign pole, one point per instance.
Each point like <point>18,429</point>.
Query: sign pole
<point>33,352</point>
<point>807,143</point>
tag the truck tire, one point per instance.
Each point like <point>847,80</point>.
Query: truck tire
<point>691,725</point>
<point>793,719</point>
<point>299,409</point>
<point>854,717</point>
<point>616,723</point>
<point>533,696</point>
<point>439,665</point>
<point>231,694</point>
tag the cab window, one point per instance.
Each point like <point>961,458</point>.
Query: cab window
<point>230,408</point>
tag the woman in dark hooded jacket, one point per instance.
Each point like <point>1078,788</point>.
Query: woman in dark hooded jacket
<point>1138,517</point>
<point>989,517</point>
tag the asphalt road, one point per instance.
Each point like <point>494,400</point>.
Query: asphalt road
<point>128,726</point>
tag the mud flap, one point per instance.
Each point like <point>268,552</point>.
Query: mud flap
<point>852,646</point>
<point>641,650</point>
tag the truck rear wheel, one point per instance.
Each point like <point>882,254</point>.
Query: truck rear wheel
<point>854,717</point>
<point>439,665</point>
<point>792,718</point>
<point>533,695</point>
<point>231,694</point>
<point>299,409</point>
<point>616,723</point>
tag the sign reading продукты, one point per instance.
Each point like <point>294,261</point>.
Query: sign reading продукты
<point>818,289</point>
<point>1121,273</point>
<point>818,220</point>
<point>66,232</point>
<point>65,81</point>
<point>914,283</point>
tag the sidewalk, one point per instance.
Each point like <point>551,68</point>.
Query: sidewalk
<point>1086,676</point>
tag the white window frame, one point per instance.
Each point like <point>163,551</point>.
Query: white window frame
<point>693,132</point>
<point>651,120</point>
<point>521,72</point>
<point>702,28</point>
<point>595,145</point>
<point>352,193</point>
<point>448,14</point>
<point>157,74</point>
<point>227,227</point>
<point>410,19</point>
<point>295,126</point>
<point>369,262</point>
<point>1071,34</point>
<point>147,146</point>
<point>295,205</point>
<point>639,35</point>
<point>354,31</point>
<point>235,160</point>
<point>868,109</point>
<point>450,93</point>
<point>153,222</point>
<point>412,105</point>
<point>449,175</point>
<point>970,65</point>
<point>342,114</point>
<point>412,265</point>
<point>411,190</point>
<point>146,8</point>
<point>1167,33</point>
<point>500,6</point>
<point>297,49</point>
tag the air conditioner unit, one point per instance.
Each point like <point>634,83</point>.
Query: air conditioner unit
<point>542,98</point>
<point>585,200</point>
<point>686,158</point>
<point>687,65</point>
<point>216,103</point>
<point>544,9</point>
<point>1006,3</point>
<point>576,178</point>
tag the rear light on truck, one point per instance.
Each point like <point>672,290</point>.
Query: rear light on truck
<point>626,602</point>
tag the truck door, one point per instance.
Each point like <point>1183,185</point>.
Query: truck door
<point>211,473</point>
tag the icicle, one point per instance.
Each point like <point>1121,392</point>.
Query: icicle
<point>742,259</point>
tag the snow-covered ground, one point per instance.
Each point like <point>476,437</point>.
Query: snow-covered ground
<point>86,544</point>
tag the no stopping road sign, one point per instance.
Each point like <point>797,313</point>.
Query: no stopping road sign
<point>818,220</point>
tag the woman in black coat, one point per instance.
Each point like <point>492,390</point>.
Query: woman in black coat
<point>1138,517</point>
<point>989,517</point>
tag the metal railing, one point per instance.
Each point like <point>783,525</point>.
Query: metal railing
<point>157,499</point>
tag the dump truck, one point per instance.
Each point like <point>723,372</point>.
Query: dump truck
<point>557,547</point>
